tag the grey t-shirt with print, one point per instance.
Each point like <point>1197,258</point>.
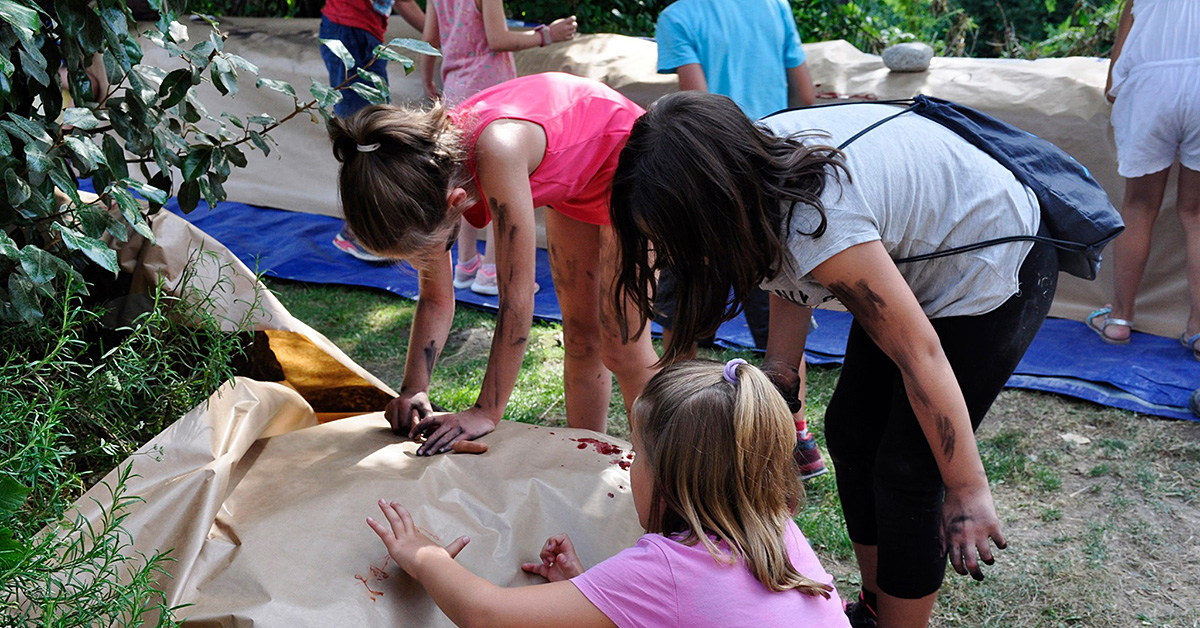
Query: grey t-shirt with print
<point>917,187</point>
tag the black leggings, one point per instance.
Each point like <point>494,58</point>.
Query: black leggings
<point>887,477</point>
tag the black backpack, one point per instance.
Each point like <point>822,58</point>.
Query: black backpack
<point>1076,211</point>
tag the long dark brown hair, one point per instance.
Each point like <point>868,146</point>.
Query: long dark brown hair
<point>394,194</point>
<point>702,190</point>
<point>720,455</point>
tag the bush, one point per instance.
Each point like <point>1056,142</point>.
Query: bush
<point>78,392</point>
<point>76,398</point>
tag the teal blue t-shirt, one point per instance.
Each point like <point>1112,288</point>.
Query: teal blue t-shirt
<point>744,47</point>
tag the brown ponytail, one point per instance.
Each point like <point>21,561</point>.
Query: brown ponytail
<point>394,195</point>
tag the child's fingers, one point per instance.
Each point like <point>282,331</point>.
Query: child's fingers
<point>390,510</point>
<point>457,545</point>
<point>379,529</point>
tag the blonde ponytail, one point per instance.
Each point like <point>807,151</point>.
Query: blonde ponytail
<point>693,415</point>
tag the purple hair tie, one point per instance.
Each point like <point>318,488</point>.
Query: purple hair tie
<point>731,369</point>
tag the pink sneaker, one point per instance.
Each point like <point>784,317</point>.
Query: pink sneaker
<point>464,273</point>
<point>486,283</point>
<point>345,242</point>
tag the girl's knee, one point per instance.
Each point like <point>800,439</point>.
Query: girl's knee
<point>581,341</point>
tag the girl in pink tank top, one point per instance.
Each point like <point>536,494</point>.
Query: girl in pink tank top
<point>408,177</point>
<point>476,48</point>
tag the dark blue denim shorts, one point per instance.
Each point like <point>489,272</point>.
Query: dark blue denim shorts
<point>362,45</point>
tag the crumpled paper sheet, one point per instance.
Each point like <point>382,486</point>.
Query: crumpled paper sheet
<point>264,509</point>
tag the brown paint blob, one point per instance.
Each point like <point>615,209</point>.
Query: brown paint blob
<point>469,447</point>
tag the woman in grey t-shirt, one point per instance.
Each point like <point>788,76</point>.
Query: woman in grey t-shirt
<point>729,205</point>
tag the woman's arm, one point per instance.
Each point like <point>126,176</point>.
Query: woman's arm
<point>500,39</point>
<point>867,282</point>
<point>431,326</point>
<point>1123,28</point>
<point>469,600</point>
<point>786,338</point>
<point>506,152</point>
<point>433,37</point>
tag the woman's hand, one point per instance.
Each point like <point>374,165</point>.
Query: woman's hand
<point>562,29</point>
<point>405,543</point>
<point>786,378</point>
<point>559,560</point>
<point>404,412</point>
<point>968,521</point>
<point>443,430</point>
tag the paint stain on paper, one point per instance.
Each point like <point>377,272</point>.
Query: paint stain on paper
<point>377,573</point>
<point>620,457</point>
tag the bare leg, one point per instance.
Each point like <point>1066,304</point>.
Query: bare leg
<point>632,361</point>
<point>467,235</point>
<point>489,252</point>
<point>1188,207</point>
<point>1143,198</point>
<point>574,264</point>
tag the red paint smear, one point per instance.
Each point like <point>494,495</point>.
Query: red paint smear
<point>373,593</point>
<point>378,573</point>
<point>624,464</point>
<point>601,447</point>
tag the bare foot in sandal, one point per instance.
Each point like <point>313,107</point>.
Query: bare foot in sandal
<point>1117,336</point>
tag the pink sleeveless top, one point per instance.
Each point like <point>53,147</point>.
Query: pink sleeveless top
<point>586,124</point>
<point>468,64</point>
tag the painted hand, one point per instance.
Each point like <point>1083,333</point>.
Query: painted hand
<point>405,411</point>
<point>442,430</point>
<point>787,381</point>
<point>559,560</point>
<point>404,542</point>
<point>968,522</point>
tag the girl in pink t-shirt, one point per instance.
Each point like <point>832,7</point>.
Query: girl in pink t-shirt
<point>408,176</point>
<point>477,48</point>
<point>714,486</point>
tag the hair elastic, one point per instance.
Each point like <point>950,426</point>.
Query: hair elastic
<point>731,369</point>
<point>367,148</point>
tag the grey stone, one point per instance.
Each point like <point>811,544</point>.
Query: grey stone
<point>909,57</point>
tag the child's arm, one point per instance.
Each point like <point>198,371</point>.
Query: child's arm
<point>867,282</point>
<point>433,37</point>
<point>431,326</point>
<point>801,91</point>
<point>1123,28</point>
<point>506,152</point>
<point>691,78</point>
<point>411,12</point>
<point>469,600</point>
<point>500,39</point>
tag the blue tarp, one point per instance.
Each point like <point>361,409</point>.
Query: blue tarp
<point>1153,375</point>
